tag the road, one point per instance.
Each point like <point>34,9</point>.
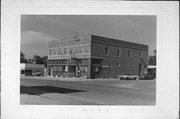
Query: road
<point>89,92</point>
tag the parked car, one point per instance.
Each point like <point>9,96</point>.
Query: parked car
<point>128,77</point>
<point>36,74</point>
<point>147,77</point>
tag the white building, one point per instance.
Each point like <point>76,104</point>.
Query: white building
<point>32,69</point>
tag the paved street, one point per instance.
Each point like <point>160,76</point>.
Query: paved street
<point>88,92</point>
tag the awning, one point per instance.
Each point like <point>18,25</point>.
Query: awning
<point>25,66</point>
<point>151,66</point>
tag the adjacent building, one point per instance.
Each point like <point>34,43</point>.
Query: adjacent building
<point>94,56</point>
<point>27,69</point>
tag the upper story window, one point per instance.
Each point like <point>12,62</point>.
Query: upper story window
<point>76,50</point>
<point>140,54</point>
<point>129,53</point>
<point>86,47</point>
<point>54,51</point>
<point>80,49</point>
<point>119,52</point>
<point>59,51</point>
<point>50,51</point>
<point>65,50</point>
<point>71,52</point>
<point>107,51</point>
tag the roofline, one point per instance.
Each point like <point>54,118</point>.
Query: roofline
<point>121,41</point>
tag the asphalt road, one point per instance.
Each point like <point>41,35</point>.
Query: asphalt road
<point>93,92</point>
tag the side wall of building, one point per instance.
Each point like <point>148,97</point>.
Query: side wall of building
<point>115,64</point>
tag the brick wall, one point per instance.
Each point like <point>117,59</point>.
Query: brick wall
<point>119,64</point>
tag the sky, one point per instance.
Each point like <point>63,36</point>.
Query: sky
<point>37,30</point>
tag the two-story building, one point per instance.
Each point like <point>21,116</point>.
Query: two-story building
<point>96,57</point>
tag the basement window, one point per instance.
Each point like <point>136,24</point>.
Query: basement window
<point>118,64</point>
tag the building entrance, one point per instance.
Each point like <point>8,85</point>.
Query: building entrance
<point>140,69</point>
<point>96,67</point>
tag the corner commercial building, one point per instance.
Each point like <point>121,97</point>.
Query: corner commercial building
<point>96,57</point>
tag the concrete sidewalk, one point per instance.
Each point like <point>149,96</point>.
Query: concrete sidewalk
<point>53,99</point>
<point>69,79</point>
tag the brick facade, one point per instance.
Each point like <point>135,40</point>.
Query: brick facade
<point>96,57</point>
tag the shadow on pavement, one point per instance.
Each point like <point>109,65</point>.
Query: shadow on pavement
<point>39,90</point>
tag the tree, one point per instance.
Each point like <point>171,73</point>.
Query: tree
<point>45,60</point>
<point>40,60</point>
<point>22,58</point>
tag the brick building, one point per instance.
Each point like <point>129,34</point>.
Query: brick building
<point>96,57</point>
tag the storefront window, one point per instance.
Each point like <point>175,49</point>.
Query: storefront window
<point>59,68</point>
<point>54,68</point>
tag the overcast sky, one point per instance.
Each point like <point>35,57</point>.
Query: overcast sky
<point>37,30</point>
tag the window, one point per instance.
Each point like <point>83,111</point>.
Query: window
<point>54,51</point>
<point>145,66</point>
<point>129,53</point>
<point>76,49</point>
<point>59,68</point>
<point>54,68</point>
<point>107,51</point>
<point>64,50</point>
<point>50,51</point>
<point>119,52</point>
<point>140,54</point>
<point>71,50</point>
<point>86,47</point>
<point>80,49</point>
<point>118,64</point>
<point>59,51</point>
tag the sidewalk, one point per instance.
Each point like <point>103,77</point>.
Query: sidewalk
<point>69,79</point>
<point>53,99</point>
